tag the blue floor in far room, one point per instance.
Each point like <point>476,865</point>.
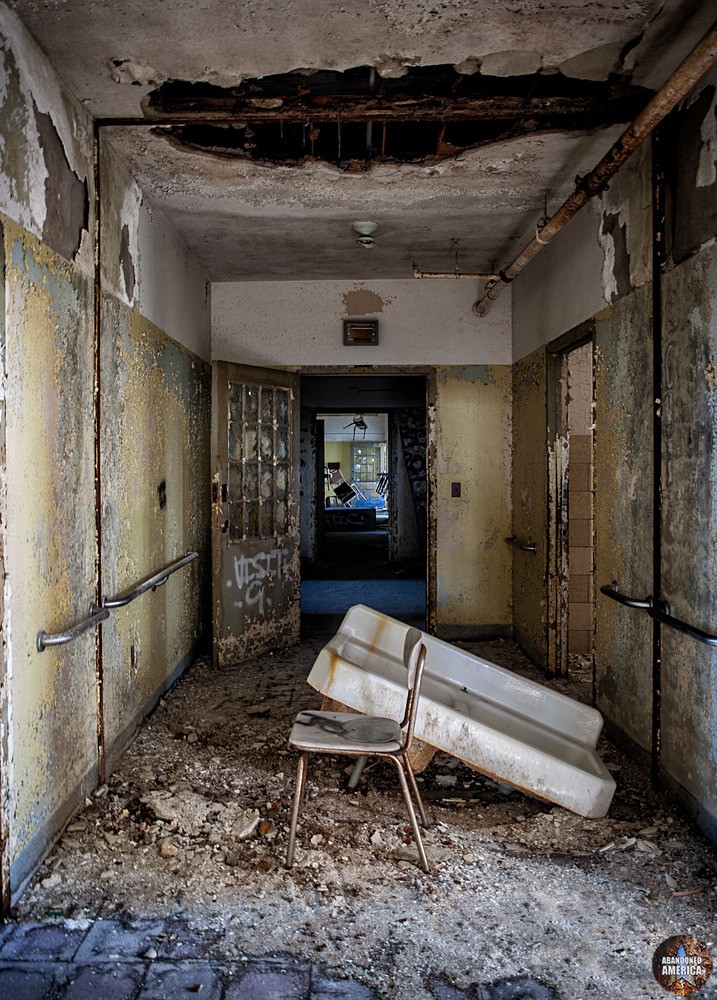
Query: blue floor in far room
<point>398,598</point>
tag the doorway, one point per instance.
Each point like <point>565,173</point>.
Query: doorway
<point>363,495</point>
<point>572,500</point>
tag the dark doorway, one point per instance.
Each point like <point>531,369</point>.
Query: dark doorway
<point>363,495</point>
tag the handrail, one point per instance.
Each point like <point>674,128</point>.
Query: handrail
<point>151,583</point>
<point>96,616</point>
<point>660,611</point>
<point>523,546</point>
<point>629,602</point>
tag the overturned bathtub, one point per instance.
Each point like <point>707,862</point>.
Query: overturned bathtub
<point>501,724</point>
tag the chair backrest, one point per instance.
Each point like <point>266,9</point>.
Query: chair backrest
<point>414,658</point>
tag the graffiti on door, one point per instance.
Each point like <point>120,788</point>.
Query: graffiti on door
<point>256,577</point>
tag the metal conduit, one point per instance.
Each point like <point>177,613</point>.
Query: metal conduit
<point>668,96</point>
<point>417,273</point>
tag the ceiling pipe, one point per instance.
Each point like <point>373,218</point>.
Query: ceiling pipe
<point>667,97</point>
<point>417,273</point>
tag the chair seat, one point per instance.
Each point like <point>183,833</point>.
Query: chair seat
<point>345,731</point>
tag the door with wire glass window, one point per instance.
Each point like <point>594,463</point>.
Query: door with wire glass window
<point>255,511</point>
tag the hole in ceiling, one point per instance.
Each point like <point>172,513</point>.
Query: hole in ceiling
<point>355,118</point>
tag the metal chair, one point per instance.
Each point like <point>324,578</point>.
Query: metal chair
<point>365,736</point>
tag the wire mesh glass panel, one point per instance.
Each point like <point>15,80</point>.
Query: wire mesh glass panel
<point>236,521</point>
<point>235,408</point>
<point>258,446</point>
<point>282,516</point>
<point>235,483</point>
<point>251,404</point>
<point>282,406</point>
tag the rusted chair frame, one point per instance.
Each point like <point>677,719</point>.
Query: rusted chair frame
<point>399,757</point>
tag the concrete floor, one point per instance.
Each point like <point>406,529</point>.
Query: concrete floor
<point>155,891</point>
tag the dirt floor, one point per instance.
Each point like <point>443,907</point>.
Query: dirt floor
<point>195,821</point>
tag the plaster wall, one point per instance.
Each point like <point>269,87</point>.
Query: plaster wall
<point>156,400</point>
<point>46,173</point>
<point>49,542</point>
<point>145,264</point>
<point>473,448</point>
<point>530,504</point>
<point>623,512</point>
<point>299,323</point>
<point>689,526</point>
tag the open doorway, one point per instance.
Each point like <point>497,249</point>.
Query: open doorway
<point>363,496</point>
<point>572,500</point>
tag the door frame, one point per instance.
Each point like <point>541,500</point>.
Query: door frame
<point>558,491</point>
<point>428,372</point>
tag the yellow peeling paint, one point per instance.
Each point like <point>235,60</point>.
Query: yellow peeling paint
<point>155,415</point>
<point>50,557</point>
<point>474,449</point>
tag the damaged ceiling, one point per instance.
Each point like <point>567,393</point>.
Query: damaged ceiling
<point>274,126</point>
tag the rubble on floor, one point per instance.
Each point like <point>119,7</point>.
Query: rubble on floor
<point>194,824</point>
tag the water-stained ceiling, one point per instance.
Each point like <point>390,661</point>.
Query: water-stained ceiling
<point>274,125</point>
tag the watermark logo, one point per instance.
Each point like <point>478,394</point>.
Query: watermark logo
<point>682,965</point>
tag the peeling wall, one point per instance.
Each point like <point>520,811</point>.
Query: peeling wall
<point>156,400</point>
<point>623,512</point>
<point>46,175</point>
<point>50,553</point>
<point>689,526</point>
<point>145,264</point>
<point>530,504</point>
<point>473,448</point>
<point>602,254</point>
<point>424,322</point>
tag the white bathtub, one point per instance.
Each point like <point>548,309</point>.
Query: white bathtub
<point>499,723</point>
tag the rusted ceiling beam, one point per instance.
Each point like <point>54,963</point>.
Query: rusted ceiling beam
<point>576,111</point>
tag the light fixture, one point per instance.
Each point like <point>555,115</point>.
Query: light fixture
<point>365,231</point>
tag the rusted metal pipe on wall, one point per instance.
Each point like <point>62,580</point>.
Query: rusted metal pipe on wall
<point>668,96</point>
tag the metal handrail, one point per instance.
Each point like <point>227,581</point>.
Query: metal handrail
<point>96,616</point>
<point>151,583</point>
<point>523,546</point>
<point>660,611</point>
<point>610,590</point>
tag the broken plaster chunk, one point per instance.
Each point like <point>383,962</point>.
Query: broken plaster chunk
<point>246,824</point>
<point>167,849</point>
<point>317,839</point>
<point>51,882</point>
<point>376,838</point>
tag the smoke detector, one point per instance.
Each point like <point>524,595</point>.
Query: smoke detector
<point>365,231</point>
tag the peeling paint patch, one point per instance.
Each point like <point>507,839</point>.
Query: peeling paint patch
<point>468,373</point>
<point>67,200</point>
<point>126,262</point>
<point>617,258</point>
<point>362,302</point>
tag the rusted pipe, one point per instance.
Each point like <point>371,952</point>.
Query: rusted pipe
<point>667,97</point>
<point>453,274</point>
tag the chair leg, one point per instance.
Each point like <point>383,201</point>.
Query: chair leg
<point>299,793</point>
<point>411,814</point>
<point>357,772</point>
<point>414,788</point>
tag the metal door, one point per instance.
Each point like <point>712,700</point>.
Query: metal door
<point>256,566</point>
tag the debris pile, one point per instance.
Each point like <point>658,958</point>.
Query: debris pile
<point>195,821</point>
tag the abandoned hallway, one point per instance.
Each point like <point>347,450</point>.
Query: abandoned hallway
<point>287,287</point>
